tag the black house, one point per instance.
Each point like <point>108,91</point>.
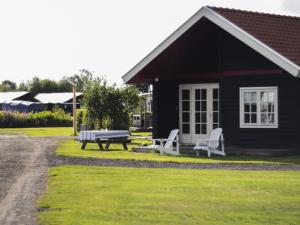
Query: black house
<point>227,68</point>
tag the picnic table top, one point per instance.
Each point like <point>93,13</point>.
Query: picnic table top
<point>102,134</point>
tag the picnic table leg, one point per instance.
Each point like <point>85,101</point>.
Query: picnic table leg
<point>100,145</point>
<point>83,145</point>
<point>124,145</point>
<point>107,145</point>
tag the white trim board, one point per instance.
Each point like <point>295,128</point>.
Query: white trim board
<point>231,28</point>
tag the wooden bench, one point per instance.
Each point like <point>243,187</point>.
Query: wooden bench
<point>107,142</point>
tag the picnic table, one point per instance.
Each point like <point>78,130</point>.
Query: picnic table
<point>104,137</point>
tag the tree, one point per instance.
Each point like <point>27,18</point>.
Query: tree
<point>4,88</point>
<point>130,95</point>
<point>23,86</point>
<point>95,100</point>
<point>64,86</point>
<point>110,106</point>
<point>37,85</point>
<point>83,79</point>
<point>49,86</point>
<point>9,84</point>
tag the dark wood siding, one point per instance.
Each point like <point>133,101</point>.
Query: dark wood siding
<point>165,108</point>
<point>287,133</point>
<point>238,56</point>
<point>231,55</point>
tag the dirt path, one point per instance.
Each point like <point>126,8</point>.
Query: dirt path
<point>23,166</point>
<point>24,162</point>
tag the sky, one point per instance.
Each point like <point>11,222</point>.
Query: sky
<point>56,38</point>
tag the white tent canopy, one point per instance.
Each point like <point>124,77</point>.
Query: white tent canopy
<point>55,98</point>
<point>9,96</point>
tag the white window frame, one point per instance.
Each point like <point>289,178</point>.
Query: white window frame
<point>258,124</point>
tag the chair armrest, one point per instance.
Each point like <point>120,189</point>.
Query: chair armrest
<point>202,142</point>
<point>157,139</point>
<point>162,140</point>
<point>207,140</point>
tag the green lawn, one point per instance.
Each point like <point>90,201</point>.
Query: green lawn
<point>141,133</point>
<point>39,131</point>
<point>72,148</point>
<point>134,196</point>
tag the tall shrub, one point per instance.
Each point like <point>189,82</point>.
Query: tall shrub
<point>110,106</point>
<point>41,119</point>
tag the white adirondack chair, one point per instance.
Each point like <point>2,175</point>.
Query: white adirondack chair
<point>212,144</point>
<point>166,145</point>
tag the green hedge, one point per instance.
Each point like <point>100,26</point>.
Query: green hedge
<point>57,118</point>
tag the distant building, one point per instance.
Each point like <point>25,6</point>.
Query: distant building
<point>148,101</point>
<point>63,100</point>
<point>25,102</point>
<point>144,119</point>
<point>7,98</point>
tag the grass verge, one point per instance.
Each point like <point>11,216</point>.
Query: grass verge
<point>141,133</point>
<point>135,196</point>
<point>72,148</point>
<point>39,131</point>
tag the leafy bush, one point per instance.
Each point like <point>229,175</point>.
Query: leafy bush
<point>110,106</point>
<point>57,118</point>
<point>82,118</point>
<point>8,120</point>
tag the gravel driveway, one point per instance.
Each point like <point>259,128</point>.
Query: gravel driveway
<point>24,162</point>
<point>23,167</point>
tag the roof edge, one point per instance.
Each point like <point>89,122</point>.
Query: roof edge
<point>228,26</point>
<point>164,44</point>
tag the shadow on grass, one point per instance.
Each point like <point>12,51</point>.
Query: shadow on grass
<point>116,151</point>
<point>105,150</point>
<point>190,154</point>
<point>289,159</point>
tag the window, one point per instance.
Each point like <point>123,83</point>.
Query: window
<point>258,107</point>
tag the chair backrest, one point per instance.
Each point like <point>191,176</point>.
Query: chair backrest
<point>171,138</point>
<point>214,142</point>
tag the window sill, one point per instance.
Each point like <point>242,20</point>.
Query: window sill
<point>258,126</point>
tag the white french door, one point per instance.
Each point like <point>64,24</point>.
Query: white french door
<point>198,111</point>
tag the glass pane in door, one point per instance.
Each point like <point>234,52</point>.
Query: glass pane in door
<point>200,111</point>
<point>185,111</point>
<point>215,108</point>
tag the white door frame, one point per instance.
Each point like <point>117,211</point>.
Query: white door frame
<point>192,137</point>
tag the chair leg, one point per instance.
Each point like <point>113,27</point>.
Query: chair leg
<point>208,153</point>
<point>197,153</point>
<point>83,145</point>
<point>125,146</point>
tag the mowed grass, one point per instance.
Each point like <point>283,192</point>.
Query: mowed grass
<point>141,133</point>
<point>73,148</point>
<point>134,196</point>
<point>51,131</point>
<point>39,131</point>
